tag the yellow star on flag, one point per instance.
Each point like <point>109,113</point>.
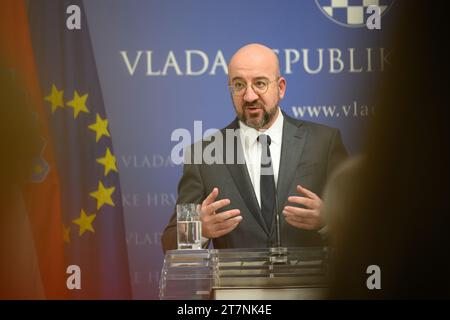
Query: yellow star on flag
<point>85,222</point>
<point>78,104</point>
<point>103,195</point>
<point>66,234</point>
<point>100,127</point>
<point>109,161</point>
<point>55,98</point>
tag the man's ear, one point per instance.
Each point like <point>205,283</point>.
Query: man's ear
<point>281,87</point>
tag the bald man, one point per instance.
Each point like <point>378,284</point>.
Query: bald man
<point>286,163</point>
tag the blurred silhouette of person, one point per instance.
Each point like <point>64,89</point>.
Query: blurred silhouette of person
<point>389,207</point>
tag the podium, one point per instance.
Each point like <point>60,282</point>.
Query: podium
<point>245,274</point>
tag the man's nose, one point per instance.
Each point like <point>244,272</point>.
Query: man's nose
<point>250,94</point>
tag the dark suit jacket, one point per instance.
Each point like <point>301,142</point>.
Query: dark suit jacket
<point>309,153</point>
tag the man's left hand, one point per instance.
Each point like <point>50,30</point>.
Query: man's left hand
<point>309,217</point>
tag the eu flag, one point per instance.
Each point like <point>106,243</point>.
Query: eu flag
<point>91,206</point>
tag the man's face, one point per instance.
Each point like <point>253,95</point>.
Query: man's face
<point>257,110</point>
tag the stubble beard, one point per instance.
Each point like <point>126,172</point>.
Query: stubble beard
<point>257,122</point>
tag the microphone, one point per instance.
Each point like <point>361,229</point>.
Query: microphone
<point>277,220</point>
<point>278,254</point>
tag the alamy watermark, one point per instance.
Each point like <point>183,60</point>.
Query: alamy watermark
<point>213,147</point>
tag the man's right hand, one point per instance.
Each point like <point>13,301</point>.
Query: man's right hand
<point>214,224</point>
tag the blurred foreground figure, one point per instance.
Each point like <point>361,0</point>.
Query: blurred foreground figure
<point>390,207</point>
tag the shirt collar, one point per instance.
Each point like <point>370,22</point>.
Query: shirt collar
<point>275,131</point>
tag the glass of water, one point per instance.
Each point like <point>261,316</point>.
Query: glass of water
<point>189,228</point>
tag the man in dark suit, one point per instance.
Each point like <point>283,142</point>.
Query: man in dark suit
<point>279,165</point>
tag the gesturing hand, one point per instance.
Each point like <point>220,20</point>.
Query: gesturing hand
<point>214,224</point>
<point>310,217</point>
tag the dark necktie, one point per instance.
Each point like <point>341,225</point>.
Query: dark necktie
<point>267,183</point>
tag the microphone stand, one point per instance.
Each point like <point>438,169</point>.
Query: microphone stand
<point>277,254</point>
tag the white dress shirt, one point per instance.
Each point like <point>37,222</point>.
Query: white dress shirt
<point>252,150</point>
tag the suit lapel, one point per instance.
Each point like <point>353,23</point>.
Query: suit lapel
<point>294,138</point>
<point>242,180</point>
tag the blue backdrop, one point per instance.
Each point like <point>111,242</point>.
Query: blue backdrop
<point>161,66</point>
